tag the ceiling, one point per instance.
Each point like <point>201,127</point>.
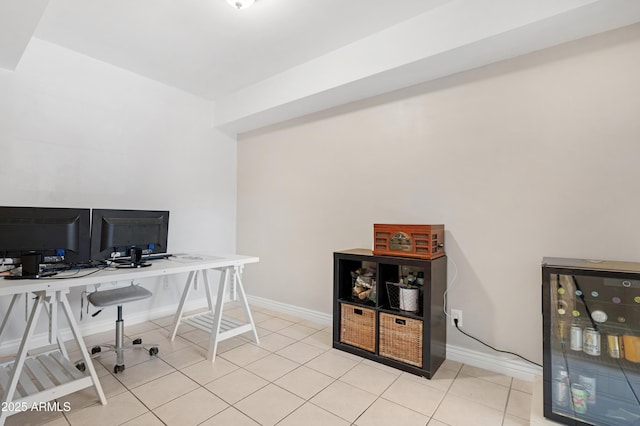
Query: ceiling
<point>282,58</point>
<point>208,48</point>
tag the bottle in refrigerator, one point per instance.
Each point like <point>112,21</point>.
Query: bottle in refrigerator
<point>589,383</point>
<point>561,392</point>
<point>576,337</point>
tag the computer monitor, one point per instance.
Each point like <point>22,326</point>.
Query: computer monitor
<point>128,235</point>
<point>35,235</point>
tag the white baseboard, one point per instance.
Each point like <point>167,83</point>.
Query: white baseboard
<point>296,311</point>
<point>497,363</point>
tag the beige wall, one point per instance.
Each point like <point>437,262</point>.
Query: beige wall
<point>536,156</point>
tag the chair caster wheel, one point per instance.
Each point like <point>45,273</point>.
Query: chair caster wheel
<point>137,341</point>
<point>96,350</point>
<point>153,351</point>
<point>118,369</point>
<point>80,366</point>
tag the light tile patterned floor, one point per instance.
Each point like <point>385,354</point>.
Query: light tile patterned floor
<point>294,377</point>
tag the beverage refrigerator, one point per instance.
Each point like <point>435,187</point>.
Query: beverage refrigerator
<point>591,341</point>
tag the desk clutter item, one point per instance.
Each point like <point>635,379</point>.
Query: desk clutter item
<point>417,241</point>
<point>364,284</point>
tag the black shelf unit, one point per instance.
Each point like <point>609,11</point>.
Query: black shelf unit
<point>430,315</point>
<point>591,341</point>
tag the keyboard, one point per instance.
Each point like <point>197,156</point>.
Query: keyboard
<point>59,267</point>
<point>157,256</point>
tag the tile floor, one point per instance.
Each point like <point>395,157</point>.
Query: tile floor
<point>293,377</point>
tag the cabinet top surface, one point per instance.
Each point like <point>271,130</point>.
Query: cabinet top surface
<point>592,264</point>
<point>387,258</point>
<point>358,251</point>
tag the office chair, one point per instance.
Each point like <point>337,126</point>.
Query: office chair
<point>118,296</point>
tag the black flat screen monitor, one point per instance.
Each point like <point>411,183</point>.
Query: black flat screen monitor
<point>127,233</point>
<point>58,235</point>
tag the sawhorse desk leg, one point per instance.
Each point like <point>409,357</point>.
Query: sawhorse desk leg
<point>14,300</point>
<point>212,321</point>
<point>46,389</point>
<point>52,312</point>
<point>217,335</point>
<point>177,319</point>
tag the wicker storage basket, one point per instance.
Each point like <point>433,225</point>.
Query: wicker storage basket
<point>358,327</point>
<point>401,339</point>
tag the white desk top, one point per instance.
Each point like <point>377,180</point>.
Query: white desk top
<point>176,264</point>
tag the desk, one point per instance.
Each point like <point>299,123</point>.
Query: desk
<point>39,378</point>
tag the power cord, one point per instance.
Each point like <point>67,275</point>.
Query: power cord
<point>455,321</point>
<point>449,287</point>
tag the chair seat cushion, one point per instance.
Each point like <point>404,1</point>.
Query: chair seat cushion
<point>119,295</point>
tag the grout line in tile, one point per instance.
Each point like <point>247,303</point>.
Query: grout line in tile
<point>435,410</point>
<point>267,316</point>
<point>312,396</point>
<point>377,398</point>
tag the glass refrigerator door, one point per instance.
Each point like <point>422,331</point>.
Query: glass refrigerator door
<point>595,349</point>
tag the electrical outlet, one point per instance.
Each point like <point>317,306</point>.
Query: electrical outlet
<point>456,314</point>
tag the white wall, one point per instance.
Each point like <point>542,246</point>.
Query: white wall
<point>76,132</point>
<point>535,156</point>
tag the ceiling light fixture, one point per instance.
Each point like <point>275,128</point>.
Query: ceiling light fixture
<point>240,4</point>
